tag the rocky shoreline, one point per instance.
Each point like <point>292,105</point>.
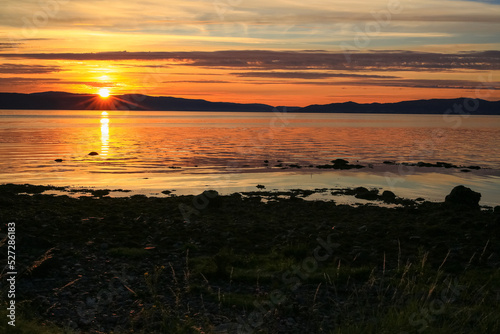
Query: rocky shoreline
<point>239,264</point>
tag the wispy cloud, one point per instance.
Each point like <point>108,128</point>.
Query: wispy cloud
<point>276,60</point>
<point>200,81</point>
<point>290,23</point>
<point>26,81</point>
<point>402,83</point>
<point>27,69</point>
<point>306,75</point>
<point>13,81</point>
<point>8,45</point>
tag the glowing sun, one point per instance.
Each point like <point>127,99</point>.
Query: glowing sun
<point>104,92</point>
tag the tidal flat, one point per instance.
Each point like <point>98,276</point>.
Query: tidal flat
<point>241,264</point>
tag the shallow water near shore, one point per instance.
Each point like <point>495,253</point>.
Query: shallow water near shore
<point>432,186</point>
<point>148,152</point>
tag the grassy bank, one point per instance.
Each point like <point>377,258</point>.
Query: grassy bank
<point>229,264</point>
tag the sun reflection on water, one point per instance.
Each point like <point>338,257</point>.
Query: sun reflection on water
<point>104,134</point>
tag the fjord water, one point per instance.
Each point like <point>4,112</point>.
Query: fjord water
<point>151,151</point>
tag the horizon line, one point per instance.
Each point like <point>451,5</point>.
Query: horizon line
<point>292,106</point>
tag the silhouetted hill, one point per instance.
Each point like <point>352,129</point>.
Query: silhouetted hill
<point>434,106</point>
<point>69,101</point>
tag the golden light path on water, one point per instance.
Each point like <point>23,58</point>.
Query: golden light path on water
<point>104,134</point>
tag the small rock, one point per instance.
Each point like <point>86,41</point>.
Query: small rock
<point>93,153</point>
<point>445,165</point>
<point>363,193</point>
<point>100,193</point>
<point>360,190</point>
<point>72,324</point>
<point>340,162</point>
<point>59,312</point>
<point>260,186</point>
<point>90,302</point>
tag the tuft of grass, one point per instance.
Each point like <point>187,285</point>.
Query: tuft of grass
<point>27,322</point>
<point>165,304</point>
<point>238,300</point>
<point>419,299</point>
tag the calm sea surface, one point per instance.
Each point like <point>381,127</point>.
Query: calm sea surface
<point>148,151</point>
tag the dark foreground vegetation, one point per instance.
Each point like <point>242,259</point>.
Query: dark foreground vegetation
<point>236,264</point>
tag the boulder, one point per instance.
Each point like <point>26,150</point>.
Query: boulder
<point>208,198</point>
<point>463,197</point>
<point>388,196</point>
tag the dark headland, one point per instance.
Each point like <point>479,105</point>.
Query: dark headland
<point>69,101</point>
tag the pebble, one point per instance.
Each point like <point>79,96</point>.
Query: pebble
<point>90,302</point>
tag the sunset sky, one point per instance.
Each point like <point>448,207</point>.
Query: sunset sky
<point>281,52</point>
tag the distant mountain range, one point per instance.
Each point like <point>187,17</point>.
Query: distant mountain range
<point>434,106</point>
<point>69,101</point>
